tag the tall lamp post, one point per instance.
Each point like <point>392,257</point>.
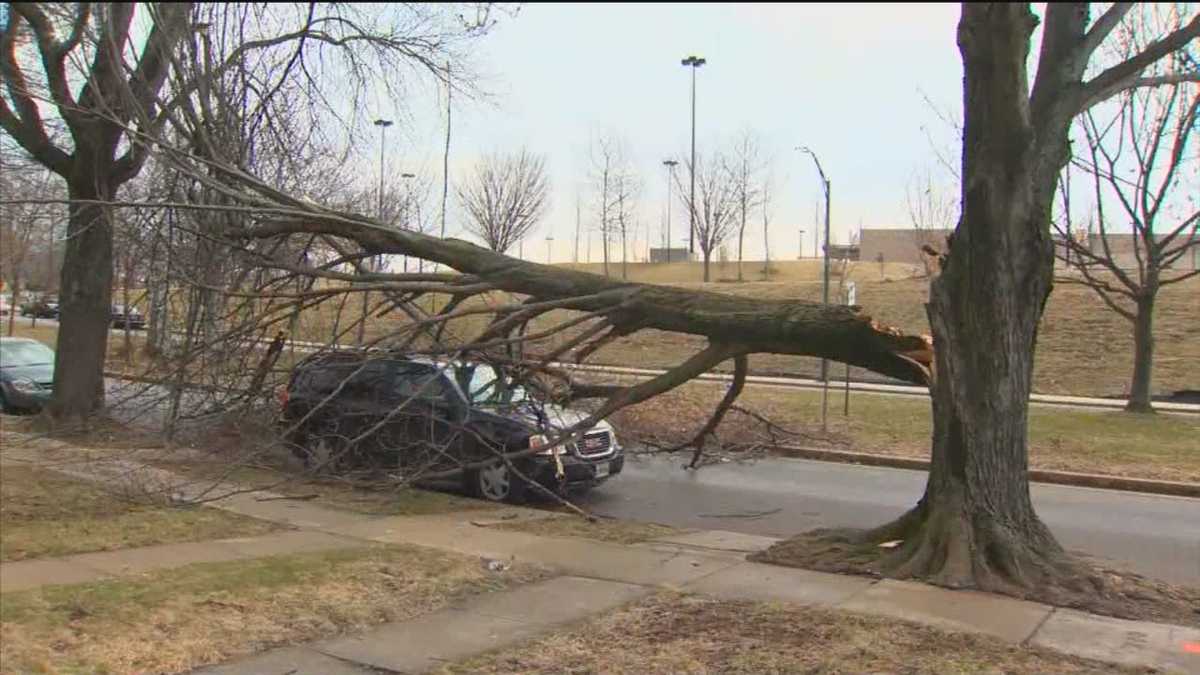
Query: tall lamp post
<point>694,62</point>
<point>371,262</point>
<point>670,164</point>
<point>404,214</point>
<point>824,284</point>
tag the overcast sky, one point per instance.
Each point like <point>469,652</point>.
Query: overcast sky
<point>841,79</point>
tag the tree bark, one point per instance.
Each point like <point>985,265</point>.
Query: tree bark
<point>1143,355</point>
<point>85,300</point>
<point>975,525</point>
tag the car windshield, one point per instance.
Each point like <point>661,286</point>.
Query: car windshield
<point>484,387</point>
<point>25,354</point>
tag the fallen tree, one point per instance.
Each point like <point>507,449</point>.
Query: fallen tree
<point>975,524</point>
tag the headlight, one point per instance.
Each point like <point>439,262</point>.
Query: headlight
<point>26,386</point>
<point>538,440</point>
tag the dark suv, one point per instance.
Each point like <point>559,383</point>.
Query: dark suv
<point>419,417</point>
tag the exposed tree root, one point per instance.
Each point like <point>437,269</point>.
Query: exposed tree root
<point>940,546</point>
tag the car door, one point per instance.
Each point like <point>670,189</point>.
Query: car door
<point>429,411</point>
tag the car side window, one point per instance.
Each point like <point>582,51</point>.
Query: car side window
<point>421,382</point>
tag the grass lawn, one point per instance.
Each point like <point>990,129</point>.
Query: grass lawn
<point>45,514</point>
<point>686,634</point>
<point>176,620</point>
<point>359,498</point>
<point>1113,443</point>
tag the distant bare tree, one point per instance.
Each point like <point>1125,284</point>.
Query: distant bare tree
<point>932,211</point>
<point>1139,160</point>
<point>608,160</point>
<point>746,164</point>
<point>22,226</point>
<point>505,196</point>
<point>716,206</point>
<point>626,187</point>
<point>765,203</point>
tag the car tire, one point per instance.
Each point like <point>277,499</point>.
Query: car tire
<point>323,448</point>
<point>496,483</point>
<point>4,406</point>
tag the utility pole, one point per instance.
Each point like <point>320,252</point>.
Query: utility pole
<point>825,182</point>
<point>578,220</point>
<point>694,62</point>
<point>671,164</point>
<point>549,242</point>
<point>383,125</point>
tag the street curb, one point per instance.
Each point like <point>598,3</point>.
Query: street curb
<point>1092,480</point>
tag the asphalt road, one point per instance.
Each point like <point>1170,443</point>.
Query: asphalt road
<point>1157,536</point>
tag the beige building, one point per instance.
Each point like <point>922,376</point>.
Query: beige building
<point>1125,250</point>
<point>899,245</point>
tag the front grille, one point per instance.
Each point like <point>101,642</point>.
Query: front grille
<point>595,444</point>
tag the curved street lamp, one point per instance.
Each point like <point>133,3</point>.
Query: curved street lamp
<point>825,283</point>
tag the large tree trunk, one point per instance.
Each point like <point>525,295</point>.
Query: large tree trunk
<point>1143,355</point>
<point>85,302</point>
<point>975,525</point>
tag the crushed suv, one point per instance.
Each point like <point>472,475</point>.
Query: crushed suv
<point>419,417</point>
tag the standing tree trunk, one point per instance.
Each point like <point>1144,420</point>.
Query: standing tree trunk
<point>976,524</point>
<point>85,299</point>
<point>14,305</point>
<point>1143,353</point>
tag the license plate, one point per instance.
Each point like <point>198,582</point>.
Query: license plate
<point>601,469</point>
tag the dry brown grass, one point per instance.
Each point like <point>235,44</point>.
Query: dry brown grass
<point>176,620</point>
<point>379,499</point>
<point>686,634</point>
<point>45,514</point>
<point>603,529</point>
<point>1159,447</point>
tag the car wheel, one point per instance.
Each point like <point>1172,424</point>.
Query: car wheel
<point>4,406</point>
<point>496,483</point>
<point>324,448</point>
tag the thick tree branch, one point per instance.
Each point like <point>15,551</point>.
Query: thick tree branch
<point>740,366</point>
<point>1103,27</point>
<point>25,123</point>
<point>1127,74</point>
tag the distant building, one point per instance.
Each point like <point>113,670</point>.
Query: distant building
<point>899,245</point>
<point>1124,249</point>
<point>844,252</point>
<point>659,255</point>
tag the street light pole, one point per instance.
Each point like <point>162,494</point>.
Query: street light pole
<point>825,182</point>
<point>694,62</point>
<point>404,213</point>
<point>670,164</point>
<point>371,262</point>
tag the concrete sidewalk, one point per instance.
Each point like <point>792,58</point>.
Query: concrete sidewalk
<point>594,577</point>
